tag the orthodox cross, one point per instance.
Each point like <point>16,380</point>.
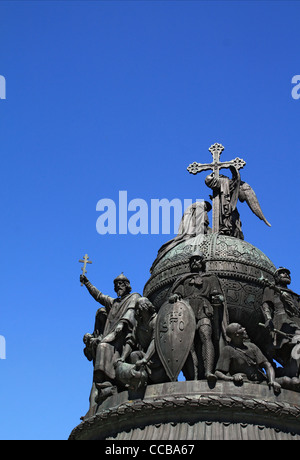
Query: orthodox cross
<point>84,261</point>
<point>194,168</point>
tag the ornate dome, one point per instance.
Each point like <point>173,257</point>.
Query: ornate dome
<point>240,266</point>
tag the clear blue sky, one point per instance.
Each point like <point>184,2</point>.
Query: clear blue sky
<point>105,96</point>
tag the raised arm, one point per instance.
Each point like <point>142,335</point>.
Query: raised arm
<point>105,300</point>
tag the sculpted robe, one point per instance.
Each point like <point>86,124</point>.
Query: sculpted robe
<point>247,361</point>
<point>228,191</point>
<point>119,310</point>
<point>193,222</point>
<point>285,310</point>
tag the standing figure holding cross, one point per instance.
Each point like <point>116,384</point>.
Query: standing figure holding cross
<point>227,192</point>
<point>112,325</point>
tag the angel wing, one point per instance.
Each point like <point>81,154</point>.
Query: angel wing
<point>246,193</point>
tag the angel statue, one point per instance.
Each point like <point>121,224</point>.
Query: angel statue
<point>226,193</point>
<point>229,192</point>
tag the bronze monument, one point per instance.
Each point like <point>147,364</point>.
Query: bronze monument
<point>214,308</point>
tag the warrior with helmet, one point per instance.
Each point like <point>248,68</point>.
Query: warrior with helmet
<point>203,292</point>
<point>112,325</point>
<point>281,310</point>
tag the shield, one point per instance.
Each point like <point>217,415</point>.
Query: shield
<point>174,336</point>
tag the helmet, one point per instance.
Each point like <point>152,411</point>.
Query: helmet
<point>121,277</point>
<point>282,270</point>
<point>197,253</point>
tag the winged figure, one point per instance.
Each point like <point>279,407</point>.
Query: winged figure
<point>246,193</point>
<point>230,190</point>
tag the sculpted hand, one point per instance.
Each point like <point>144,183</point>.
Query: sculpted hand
<point>269,325</point>
<point>174,298</point>
<point>119,361</point>
<point>119,327</point>
<point>140,363</point>
<point>83,279</point>
<point>276,387</point>
<point>238,378</point>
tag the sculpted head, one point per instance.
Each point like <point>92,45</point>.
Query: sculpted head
<point>144,308</point>
<point>235,331</point>
<point>197,263</point>
<point>282,276</point>
<point>122,285</point>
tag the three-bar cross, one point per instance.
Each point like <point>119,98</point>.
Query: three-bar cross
<point>84,261</point>
<point>194,168</point>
